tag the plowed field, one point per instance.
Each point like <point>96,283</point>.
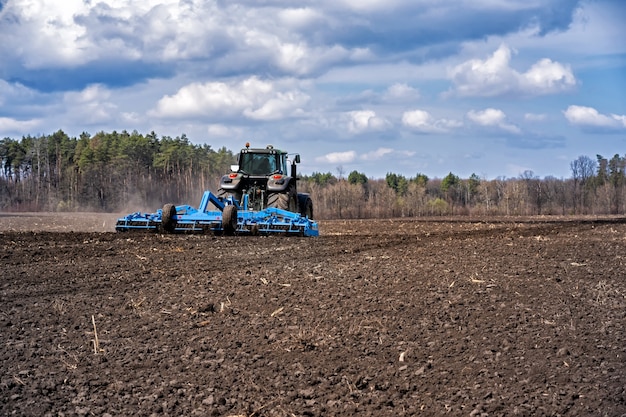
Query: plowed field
<point>374,318</point>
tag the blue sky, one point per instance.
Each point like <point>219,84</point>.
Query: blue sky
<point>491,87</point>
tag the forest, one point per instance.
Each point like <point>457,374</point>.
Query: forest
<point>127,171</point>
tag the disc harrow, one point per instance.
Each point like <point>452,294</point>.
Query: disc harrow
<point>230,218</point>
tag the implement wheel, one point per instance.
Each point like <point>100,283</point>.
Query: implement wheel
<point>168,221</point>
<point>229,220</point>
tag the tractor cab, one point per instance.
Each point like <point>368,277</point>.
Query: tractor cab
<point>261,162</point>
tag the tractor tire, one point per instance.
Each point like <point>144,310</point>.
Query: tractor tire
<point>229,220</point>
<point>221,193</point>
<point>168,221</point>
<point>306,208</point>
<point>287,200</point>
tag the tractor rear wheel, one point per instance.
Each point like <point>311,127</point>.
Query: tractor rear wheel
<point>229,220</point>
<point>168,220</point>
<point>306,209</point>
<point>284,201</point>
<point>222,193</point>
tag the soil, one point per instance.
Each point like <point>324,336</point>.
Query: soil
<point>491,317</point>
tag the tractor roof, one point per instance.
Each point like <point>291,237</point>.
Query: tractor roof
<point>268,149</point>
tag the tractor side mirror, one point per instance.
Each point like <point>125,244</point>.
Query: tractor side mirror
<point>296,158</point>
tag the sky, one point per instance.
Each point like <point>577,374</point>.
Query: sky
<point>494,88</point>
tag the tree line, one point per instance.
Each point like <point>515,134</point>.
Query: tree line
<point>128,171</point>
<point>596,187</point>
<point>105,172</point>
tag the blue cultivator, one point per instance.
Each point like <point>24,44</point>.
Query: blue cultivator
<point>231,218</point>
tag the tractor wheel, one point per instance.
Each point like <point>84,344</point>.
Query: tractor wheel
<point>168,221</point>
<point>285,201</point>
<point>229,220</point>
<point>221,193</point>
<point>306,209</point>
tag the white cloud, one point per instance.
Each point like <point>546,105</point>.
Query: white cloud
<point>72,33</point>
<point>199,99</point>
<point>301,59</point>
<point>10,125</point>
<point>595,30</point>
<point>300,18</point>
<point>370,5</point>
<point>91,93</point>
<point>91,106</point>
<point>487,117</point>
<point>288,104</point>
<point>620,118</point>
<point>337,157</point>
<point>260,42</point>
<point>547,77</point>
<point>223,130</point>
<point>361,121</point>
<point>418,119</point>
<point>253,98</point>
<point>54,36</point>
<point>10,93</point>
<point>401,91</point>
<point>535,117</point>
<point>132,118</point>
<point>422,121</point>
<point>590,118</point>
<point>377,154</point>
<point>292,56</point>
<point>492,118</point>
<point>60,34</point>
<point>488,78</point>
<point>494,77</point>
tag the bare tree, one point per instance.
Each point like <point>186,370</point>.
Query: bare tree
<point>583,169</point>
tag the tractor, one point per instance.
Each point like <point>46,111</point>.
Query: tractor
<point>259,197</point>
<point>261,176</point>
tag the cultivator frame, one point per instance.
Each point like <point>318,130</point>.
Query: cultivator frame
<point>230,218</point>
